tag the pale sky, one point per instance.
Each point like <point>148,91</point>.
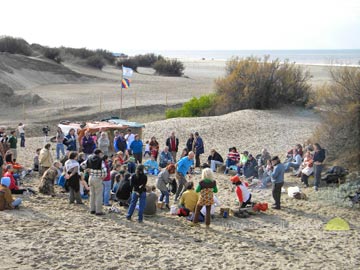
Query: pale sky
<point>118,25</point>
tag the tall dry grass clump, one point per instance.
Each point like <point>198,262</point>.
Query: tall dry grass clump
<point>258,83</point>
<point>340,104</point>
<point>14,45</point>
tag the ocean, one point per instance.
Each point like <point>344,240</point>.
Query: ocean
<point>312,57</point>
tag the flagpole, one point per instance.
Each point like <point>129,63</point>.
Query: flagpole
<point>121,94</point>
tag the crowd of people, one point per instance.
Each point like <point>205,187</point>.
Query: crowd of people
<point>107,170</point>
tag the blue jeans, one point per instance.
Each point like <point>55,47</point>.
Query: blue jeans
<point>60,147</point>
<point>166,195</point>
<point>291,165</point>
<point>142,202</point>
<point>16,202</point>
<point>22,142</point>
<point>106,192</point>
<point>317,174</point>
<point>229,163</point>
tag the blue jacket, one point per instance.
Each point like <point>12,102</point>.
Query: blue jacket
<point>277,175</point>
<point>136,147</point>
<point>151,164</point>
<point>164,158</point>
<point>71,143</point>
<point>183,165</point>
<point>199,146</point>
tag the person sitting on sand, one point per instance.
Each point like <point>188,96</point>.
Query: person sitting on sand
<point>151,166</point>
<point>206,187</point>
<point>47,181</point>
<point>123,192</point>
<point>290,154</point>
<point>241,190</point>
<point>115,171</point>
<point>295,163</point>
<point>250,167</point>
<point>162,182</point>
<point>232,159</point>
<point>7,202</point>
<point>15,189</point>
<point>151,200</point>
<point>189,198</point>
<point>266,175</point>
<point>166,158</point>
<point>307,168</point>
<point>262,160</point>
<point>214,160</point>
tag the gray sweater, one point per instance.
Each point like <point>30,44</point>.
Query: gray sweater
<point>162,180</point>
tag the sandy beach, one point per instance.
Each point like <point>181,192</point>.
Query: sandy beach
<point>48,233</point>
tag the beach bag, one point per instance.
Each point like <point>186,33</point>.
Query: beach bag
<point>292,191</point>
<point>260,207</point>
<point>173,210</point>
<point>61,181</point>
<point>307,171</point>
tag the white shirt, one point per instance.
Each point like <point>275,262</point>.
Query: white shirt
<point>71,163</point>
<point>129,139</point>
<point>21,129</point>
<point>147,147</point>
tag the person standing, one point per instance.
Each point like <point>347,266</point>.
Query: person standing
<point>199,148</point>
<point>72,175</point>
<point>277,179</point>
<point>318,159</point>
<point>206,187</point>
<point>154,147</point>
<point>60,143</point>
<point>21,132</point>
<point>129,137</point>
<point>88,144</point>
<point>162,182</point>
<point>138,186</point>
<point>104,143</point>
<point>71,140</point>
<point>173,143</point>
<point>45,159</point>
<point>190,143</point>
<point>13,143</point>
<point>136,148</point>
<point>121,143</point>
<point>97,172</point>
<point>182,167</point>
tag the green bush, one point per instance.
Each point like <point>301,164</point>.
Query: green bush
<point>147,60</point>
<point>107,55</point>
<point>15,46</point>
<point>255,83</point>
<point>128,62</point>
<point>193,108</point>
<point>52,54</point>
<point>169,67</point>
<point>96,61</point>
<point>82,53</point>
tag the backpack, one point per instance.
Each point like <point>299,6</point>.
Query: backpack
<point>183,212</point>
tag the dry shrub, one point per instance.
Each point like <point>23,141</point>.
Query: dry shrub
<point>340,104</point>
<point>256,83</point>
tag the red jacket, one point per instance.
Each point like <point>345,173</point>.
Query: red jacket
<point>13,185</point>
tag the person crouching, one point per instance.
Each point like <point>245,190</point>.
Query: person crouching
<point>241,190</point>
<point>47,180</point>
<point>6,199</point>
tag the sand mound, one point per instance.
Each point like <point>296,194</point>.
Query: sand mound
<point>21,72</point>
<point>249,130</point>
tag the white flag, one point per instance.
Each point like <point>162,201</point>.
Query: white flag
<point>127,72</point>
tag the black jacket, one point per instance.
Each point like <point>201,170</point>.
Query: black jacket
<point>94,162</point>
<point>189,144</point>
<point>121,144</point>
<point>124,190</point>
<point>168,144</point>
<point>216,157</point>
<point>138,183</point>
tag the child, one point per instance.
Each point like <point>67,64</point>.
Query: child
<point>36,160</point>
<point>152,166</point>
<point>6,199</point>
<point>115,171</point>
<point>131,165</point>
<point>151,200</point>
<point>242,193</point>
<point>147,149</point>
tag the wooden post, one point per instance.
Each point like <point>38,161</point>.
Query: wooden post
<point>166,97</point>
<point>24,113</point>
<point>63,105</point>
<point>100,101</point>
<point>135,98</point>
